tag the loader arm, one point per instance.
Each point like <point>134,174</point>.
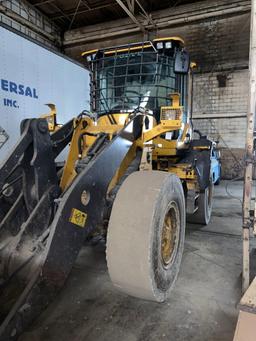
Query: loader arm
<point>37,258</point>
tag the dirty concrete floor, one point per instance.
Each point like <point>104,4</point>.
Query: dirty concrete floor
<point>202,305</point>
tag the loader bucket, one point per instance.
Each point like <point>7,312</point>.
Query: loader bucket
<point>28,187</point>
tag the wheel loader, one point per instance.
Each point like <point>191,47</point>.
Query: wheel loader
<point>133,175</point>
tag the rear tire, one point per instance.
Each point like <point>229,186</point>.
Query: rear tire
<point>203,214</point>
<point>146,234</point>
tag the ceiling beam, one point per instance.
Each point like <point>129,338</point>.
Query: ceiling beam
<point>74,16</point>
<point>131,5</point>
<point>91,9</point>
<point>147,16</point>
<point>131,15</point>
<point>86,4</point>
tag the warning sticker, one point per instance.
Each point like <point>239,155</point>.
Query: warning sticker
<point>78,217</point>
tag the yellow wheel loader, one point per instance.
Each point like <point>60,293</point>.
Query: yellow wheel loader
<point>133,175</point>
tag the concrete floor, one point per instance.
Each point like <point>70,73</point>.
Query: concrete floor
<point>202,305</point>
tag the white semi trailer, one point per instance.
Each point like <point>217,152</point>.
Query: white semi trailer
<point>32,76</point>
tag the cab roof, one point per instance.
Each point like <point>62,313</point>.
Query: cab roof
<point>135,46</point>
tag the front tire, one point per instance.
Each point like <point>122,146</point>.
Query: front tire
<point>146,235</point>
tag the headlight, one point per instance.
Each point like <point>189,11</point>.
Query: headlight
<point>170,114</point>
<point>160,46</point>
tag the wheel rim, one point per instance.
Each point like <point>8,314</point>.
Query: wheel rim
<point>170,235</point>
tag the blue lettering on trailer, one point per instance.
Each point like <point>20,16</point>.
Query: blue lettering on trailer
<point>18,89</point>
<point>10,103</point>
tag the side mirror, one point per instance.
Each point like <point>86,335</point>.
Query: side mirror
<point>181,62</point>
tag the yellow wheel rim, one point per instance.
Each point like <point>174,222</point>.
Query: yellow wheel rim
<point>170,232</point>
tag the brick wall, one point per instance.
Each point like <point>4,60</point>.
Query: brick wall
<point>222,110</point>
<point>26,19</point>
<point>230,132</point>
<point>210,98</point>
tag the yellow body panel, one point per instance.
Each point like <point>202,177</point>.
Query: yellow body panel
<point>120,119</point>
<point>164,127</point>
<point>158,152</point>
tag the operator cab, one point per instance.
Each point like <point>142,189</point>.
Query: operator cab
<point>146,75</point>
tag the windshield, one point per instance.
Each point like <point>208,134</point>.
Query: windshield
<point>125,81</point>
